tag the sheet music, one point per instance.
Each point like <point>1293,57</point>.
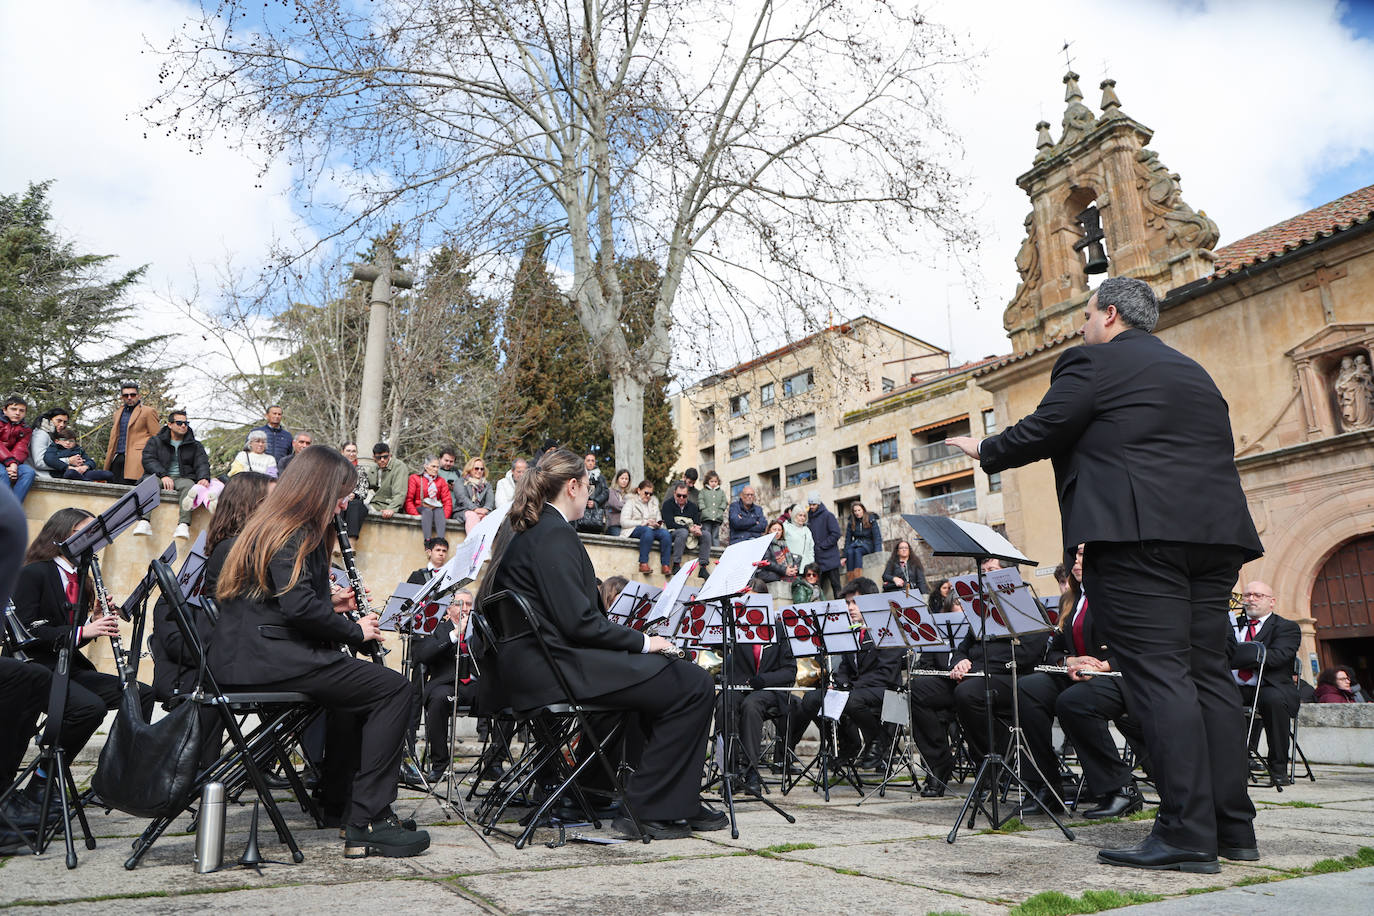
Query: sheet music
<point>668,607</point>
<point>734,570</point>
<point>469,556</point>
<point>899,620</point>
<point>835,702</point>
<point>391,613</point>
<point>192,572</point>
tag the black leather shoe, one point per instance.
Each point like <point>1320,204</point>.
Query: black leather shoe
<point>654,830</point>
<point>1041,801</point>
<point>1156,855</point>
<point>707,819</point>
<point>436,774</point>
<point>1282,779</point>
<point>1120,803</point>
<point>1239,853</point>
<point>383,837</point>
<point>752,784</point>
<point>933,789</point>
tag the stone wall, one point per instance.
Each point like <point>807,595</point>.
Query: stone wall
<point>1336,733</point>
<point>387,550</point>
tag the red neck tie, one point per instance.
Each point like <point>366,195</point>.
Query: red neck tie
<point>1078,622</point>
<point>758,658</point>
<point>1248,674</point>
<point>71,586</point>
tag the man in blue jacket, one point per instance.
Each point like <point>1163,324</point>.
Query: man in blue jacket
<point>825,531</point>
<point>746,517</point>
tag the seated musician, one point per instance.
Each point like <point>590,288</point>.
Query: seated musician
<point>25,687</point>
<point>866,674</point>
<point>757,667</point>
<point>439,652</point>
<point>1271,688</point>
<point>43,598</point>
<point>928,694</point>
<point>436,552</point>
<point>538,555</point>
<point>280,629</point>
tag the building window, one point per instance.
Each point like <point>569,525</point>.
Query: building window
<point>889,384</point>
<point>989,422</point>
<point>994,483</point>
<point>708,459</point>
<point>797,384</point>
<point>768,438</point>
<point>739,447</point>
<point>799,427</point>
<point>803,472</point>
<point>891,501</point>
<point>739,405</point>
<point>737,485</point>
<point>880,452</point>
<point>766,393</point>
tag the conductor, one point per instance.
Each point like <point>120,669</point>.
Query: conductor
<point>1140,439</point>
<point>540,557</point>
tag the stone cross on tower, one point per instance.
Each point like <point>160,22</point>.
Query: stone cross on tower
<point>383,275</point>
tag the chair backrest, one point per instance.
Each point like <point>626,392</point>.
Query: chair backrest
<point>514,625</point>
<point>185,619</point>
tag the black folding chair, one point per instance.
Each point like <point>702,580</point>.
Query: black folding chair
<point>558,730</point>
<point>282,716</point>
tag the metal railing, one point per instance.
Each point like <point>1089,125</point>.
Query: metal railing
<point>934,451</point>
<point>948,503</point>
<point>846,475</point>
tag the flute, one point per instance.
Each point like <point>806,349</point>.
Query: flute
<point>1064,669</point>
<point>108,609</point>
<point>936,672</point>
<point>373,648</point>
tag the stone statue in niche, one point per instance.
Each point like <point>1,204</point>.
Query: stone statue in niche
<point>1355,392</point>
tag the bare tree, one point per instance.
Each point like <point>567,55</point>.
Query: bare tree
<point>757,151</point>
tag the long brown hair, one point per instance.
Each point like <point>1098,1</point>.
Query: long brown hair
<point>1069,599</point>
<point>302,503</point>
<point>244,492</point>
<point>56,529</point>
<point>541,484</point>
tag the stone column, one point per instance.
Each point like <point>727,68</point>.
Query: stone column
<point>383,275</point>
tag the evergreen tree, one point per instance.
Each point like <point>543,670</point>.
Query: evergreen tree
<point>69,339</point>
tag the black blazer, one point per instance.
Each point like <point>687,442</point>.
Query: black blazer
<point>911,573</point>
<point>1094,642</point>
<point>40,601</point>
<point>1140,439</point>
<point>438,654</point>
<point>174,668</point>
<point>777,665</point>
<point>419,576</point>
<point>1030,653</point>
<point>870,667</point>
<point>548,565</point>
<point>1282,638</point>
<point>264,640</point>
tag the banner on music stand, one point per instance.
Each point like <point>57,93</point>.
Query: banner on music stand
<point>634,605</point>
<point>192,572</point>
<point>754,620</point>
<point>818,626</point>
<point>1008,607</point>
<point>898,620</point>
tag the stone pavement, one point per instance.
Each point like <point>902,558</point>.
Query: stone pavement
<point>887,856</point>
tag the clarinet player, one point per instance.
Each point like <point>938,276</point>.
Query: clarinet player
<point>281,629</point>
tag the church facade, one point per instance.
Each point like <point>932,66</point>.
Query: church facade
<point>1283,319</point>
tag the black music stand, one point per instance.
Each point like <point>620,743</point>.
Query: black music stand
<point>948,537</point>
<point>79,549</point>
<point>826,762</point>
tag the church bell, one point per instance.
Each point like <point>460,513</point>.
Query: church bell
<point>1091,222</point>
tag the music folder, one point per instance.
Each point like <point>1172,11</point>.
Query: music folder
<point>952,537</point>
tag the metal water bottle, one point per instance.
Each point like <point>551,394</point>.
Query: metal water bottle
<point>210,832</point>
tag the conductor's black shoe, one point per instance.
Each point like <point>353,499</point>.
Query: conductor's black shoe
<point>933,789</point>
<point>383,837</point>
<point>707,819</point>
<point>1120,803</point>
<point>1239,853</point>
<point>654,830</point>
<point>1156,855</point>
<point>676,567</point>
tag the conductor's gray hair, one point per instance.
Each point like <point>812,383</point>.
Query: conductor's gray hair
<point>1134,300</point>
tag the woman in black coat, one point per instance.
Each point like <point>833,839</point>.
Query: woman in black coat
<point>904,572</point>
<point>538,555</point>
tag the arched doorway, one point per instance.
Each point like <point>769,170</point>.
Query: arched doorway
<point>1343,607</point>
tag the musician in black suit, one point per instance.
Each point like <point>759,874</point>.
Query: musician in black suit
<point>43,599</point>
<point>866,675</point>
<point>1270,688</point>
<point>538,554</point>
<point>1141,443</point>
<point>438,652</point>
<point>436,550</point>
<point>281,628</point>
<point>757,667</point>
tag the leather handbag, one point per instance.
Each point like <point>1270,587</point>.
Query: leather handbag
<point>148,770</point>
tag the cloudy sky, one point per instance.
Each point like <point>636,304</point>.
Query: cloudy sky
<point>1262,107</point>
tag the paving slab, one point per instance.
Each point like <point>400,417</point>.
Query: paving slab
<point>728,884</point>
<point>1337,893</point>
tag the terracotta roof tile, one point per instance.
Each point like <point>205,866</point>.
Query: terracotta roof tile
<point>1303,229</point>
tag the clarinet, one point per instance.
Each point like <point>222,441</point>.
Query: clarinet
<point>374,649</point>
<point>107,607</point>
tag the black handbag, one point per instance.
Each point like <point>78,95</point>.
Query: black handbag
<point>593,521</point>
<point>149,770</point>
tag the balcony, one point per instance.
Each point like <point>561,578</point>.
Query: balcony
<point>935,451</point>
<point>937,460</point>
<point>948,503</point>
<point>846,475</point>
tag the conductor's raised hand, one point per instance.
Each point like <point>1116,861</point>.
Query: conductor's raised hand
<point>966,444</point>
<point>372,629</point>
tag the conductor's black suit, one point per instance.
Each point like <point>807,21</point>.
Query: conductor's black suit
<point>1140,439</point>
<point>604,662</point>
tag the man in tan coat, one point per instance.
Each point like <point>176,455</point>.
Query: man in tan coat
<point>133,425</point>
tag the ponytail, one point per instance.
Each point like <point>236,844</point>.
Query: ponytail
<point>541,484</point>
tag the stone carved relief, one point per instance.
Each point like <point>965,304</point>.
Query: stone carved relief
<point>1354,386</point>
<point>1025,302</point>
<point>1078,118</point>
<point>1184,227</point>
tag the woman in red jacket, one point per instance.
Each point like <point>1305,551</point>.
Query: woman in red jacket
<point>428,496</point>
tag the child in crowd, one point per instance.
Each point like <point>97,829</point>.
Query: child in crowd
<point>63,448</point>
<point>713,502</point>
<point>428,496</point>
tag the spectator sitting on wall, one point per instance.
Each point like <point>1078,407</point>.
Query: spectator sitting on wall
<point>278,436</point>
<point>619,492</point>
<point>746,517</point>
<point>682,518</point>
<point>593,521</point>
<point>254,456</point>
<point>1338,685</point>
<point>299,444</point>
<point>14,447</point>
<point>505,487</point>
<point>429,497</point>
<point>475,498</point>
<point>63,451</point>
<point>447,459</point>
<point>386,480</point>
<point>175,456</point>
<point>48,423</point>
<point>862,536</point>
